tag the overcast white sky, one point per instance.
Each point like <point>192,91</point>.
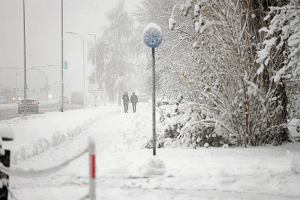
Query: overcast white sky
<point>43,29</point>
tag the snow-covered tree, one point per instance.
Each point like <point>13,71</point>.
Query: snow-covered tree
<point>280,53</point>
<point>115,50</point>
<point>209,54</point>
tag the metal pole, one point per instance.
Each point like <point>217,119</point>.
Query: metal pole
<point>62,56</point>
<point>25,61</point>
<point>92,163</point>
<point>153,102</point>
<point>83,64</point>
<point>95,56</point>
<point>96,71</point>
<point>95,60</point>
<point>16,83</point>
<point>47,88</point>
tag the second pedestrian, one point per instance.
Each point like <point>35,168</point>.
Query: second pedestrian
<point>133,100</point>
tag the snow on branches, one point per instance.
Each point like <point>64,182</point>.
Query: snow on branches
<point>283,33</point>
<point>209,55</point>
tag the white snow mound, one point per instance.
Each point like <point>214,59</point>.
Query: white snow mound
<point>154,166</point>
<point>294,161</point>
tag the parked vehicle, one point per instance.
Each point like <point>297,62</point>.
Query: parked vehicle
<point>77,98</point>
<point>3,100</point>
<point>30,104</point>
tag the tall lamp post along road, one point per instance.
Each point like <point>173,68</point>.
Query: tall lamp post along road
<point>153,38</point>
<point>95,60</point>
<point>62,56</point>
<point>25,61</point>
<point>95,54</point>
<point>83,64</point>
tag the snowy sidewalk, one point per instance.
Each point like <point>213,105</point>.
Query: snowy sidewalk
<point>213,173</point>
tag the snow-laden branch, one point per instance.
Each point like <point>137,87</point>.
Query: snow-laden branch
<point>282,33</point>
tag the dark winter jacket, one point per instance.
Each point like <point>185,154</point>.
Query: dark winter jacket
<point>125,99</point>
<point>133,99</point>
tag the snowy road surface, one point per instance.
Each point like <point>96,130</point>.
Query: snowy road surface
<point>8,111</point>
<point>212,173</point>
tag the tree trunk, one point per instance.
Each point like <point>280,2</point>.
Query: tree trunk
<point>259,9</point>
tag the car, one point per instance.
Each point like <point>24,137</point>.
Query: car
<point>77,98</point>
<point>3,100</point>
<point>30,104</point>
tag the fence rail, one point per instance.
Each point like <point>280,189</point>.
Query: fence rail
<point>30,173</point>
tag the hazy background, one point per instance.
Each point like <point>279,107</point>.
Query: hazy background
<point>43,23</point>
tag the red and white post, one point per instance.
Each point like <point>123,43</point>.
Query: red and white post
<point>92,162</point>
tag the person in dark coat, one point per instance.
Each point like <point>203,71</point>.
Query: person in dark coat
<point>125,99</point>
<point>133,100</point>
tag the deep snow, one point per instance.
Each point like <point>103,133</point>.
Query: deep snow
<point>203,173</point>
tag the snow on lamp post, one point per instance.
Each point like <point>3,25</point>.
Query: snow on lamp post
<point>153,38</point>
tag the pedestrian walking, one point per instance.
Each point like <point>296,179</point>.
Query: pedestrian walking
<point>133,100</point>
<point>125,99</point>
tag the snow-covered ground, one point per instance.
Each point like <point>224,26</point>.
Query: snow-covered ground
<point>122,161</point>
<point>36,133</point>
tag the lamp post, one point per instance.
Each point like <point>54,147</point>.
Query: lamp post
<point>25,62</point>
<point>83,64</point>
<point>62,57</point>
<point>95,60</point>
<point>153,38</point>
<point>95,54</point>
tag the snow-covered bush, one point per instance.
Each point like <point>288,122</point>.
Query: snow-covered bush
<point>221,78</point>
<point>185,124</point>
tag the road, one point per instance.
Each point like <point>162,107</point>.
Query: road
<point>8,111</point>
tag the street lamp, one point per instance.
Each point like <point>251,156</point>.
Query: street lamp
<point>95,56</point>
<point>83,64</point>
<point>62,56</point>
<point>153,38</point>
<point>25,62</point>
<point>95,60</point>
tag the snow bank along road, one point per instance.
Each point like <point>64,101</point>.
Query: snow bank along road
<point>213,173</point>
